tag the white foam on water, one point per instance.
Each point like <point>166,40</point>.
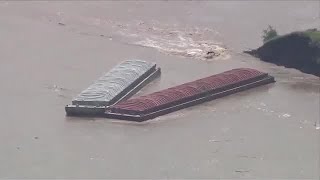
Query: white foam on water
<point>317,124</point>
<point>186,47</point>
<point>172,39</point>
<point>195,43</point>
<point>286,115</point>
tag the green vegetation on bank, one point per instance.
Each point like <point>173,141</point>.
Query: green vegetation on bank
<point>272,35</point>
<point>269,33</point>
<point>314,35</point>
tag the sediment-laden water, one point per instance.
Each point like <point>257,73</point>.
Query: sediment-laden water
<point>51,51</point>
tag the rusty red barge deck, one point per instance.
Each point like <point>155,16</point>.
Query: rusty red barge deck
<point>188,94</point>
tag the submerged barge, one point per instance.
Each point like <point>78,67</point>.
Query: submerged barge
<point>188,94</point>
<point>118,84</point>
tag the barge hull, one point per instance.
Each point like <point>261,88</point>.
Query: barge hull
<point>201,99</point>
<point>98,110</point>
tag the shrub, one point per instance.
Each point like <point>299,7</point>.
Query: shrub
<point>269,34</point>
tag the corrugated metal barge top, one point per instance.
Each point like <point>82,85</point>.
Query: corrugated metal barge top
<point>108,87</point>
<point>187,91</point>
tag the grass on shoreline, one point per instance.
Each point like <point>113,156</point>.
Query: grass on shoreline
<point>313,34</point>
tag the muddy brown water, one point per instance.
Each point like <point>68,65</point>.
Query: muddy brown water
<point>50,51</point>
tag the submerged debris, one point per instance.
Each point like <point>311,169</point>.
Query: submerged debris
<point>210,55</point>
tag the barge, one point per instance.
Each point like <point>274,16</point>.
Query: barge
<point>189,94</point>
<point>120,83</point>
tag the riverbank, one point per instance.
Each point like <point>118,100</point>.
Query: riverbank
<point>299,50</point>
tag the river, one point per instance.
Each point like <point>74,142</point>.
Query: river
<point>50,51</point>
